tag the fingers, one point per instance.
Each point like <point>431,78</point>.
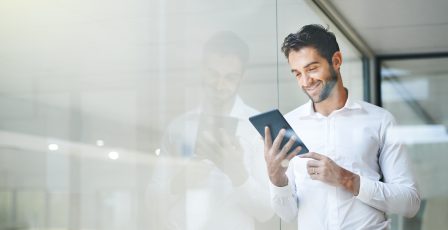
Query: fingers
<point>278,140</point>
<point>294,152</point>
<point>312,166</point>
<point>285,159</point>
<point>229,143</point>
<point>267,137</point>
<point>313,155</point>
<point>316,173</point>
<point>313,163</point>
<point>288,145</point>
<point>206,150</point>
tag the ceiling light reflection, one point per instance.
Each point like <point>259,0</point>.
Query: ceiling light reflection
<point>114,155</point>
<point>53,147</point>
<point>100,143</point>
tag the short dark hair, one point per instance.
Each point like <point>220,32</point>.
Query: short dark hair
<point>227,43</point>
<point>315,36</point>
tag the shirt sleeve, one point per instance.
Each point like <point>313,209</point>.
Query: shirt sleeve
<point>397,193</point>
<point>253,195</point>
<point>284,199</point>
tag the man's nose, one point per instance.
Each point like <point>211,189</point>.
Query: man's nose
<point>221,83</point>
<point>305,80</point>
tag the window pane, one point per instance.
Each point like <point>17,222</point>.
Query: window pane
<point>217,69</point>
<point>58,213</point>
<point>6,216</point>
<point>414,90</point>
<point>134,114</point>
<point>31,210</point>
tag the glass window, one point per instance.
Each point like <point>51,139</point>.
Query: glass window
<point>6,209</point>
<point>134,114</point>
<point>58,213</point>
<point>31,210</point>
<point>414,91</point>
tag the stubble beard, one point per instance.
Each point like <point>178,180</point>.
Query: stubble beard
<point>327,88</point>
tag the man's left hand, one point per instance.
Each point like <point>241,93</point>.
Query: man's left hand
<point>323,168</point>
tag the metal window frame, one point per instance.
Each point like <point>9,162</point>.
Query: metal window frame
<point>379,59</point>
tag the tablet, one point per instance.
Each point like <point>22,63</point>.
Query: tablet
<point>275,121</point>
<point>216,128</point>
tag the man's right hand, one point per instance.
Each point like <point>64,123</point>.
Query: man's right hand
<point>277,159</point>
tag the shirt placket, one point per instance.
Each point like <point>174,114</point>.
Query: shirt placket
<point>333,217</point>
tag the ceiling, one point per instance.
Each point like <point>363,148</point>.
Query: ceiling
<point>398,26</point>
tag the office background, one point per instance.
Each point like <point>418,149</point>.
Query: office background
<point>89,89</point>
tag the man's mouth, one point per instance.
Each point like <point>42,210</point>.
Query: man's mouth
<point>313,87</point>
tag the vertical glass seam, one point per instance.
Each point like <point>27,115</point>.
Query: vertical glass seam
<point>276,52</point>
<point>278,80</point>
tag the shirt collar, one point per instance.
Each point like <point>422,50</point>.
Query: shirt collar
<point>239,109</point>
<point>349,104</point>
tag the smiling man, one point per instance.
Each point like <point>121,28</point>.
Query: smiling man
<point>354,173</point>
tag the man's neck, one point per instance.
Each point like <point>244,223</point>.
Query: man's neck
<point>336,100</point>
<point>220,107</point>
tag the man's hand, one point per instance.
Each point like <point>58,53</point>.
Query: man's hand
<point>326,170</point>
<point>277,159</point>
<point>225,152</point>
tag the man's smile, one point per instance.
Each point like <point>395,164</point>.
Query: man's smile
<point>313,87</point>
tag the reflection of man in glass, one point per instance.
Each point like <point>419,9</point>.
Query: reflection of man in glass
<point>222,183</point>
<point>224,59</point>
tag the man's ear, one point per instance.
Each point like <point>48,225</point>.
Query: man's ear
<point>337,60</point>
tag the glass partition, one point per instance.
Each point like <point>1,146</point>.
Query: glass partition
<point>217,68</point>
<point>414,90</point>
<point>133,114</point>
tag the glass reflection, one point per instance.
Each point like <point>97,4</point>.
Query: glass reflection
<point>94,81</point>
<point>53,147</point>
<point>212,159</point>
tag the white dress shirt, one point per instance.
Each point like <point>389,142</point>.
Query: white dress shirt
<point>354,137</point>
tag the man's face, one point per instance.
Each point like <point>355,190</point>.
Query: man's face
<point>221,77</point>
<point>315,75</point>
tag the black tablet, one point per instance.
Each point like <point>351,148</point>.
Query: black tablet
<point>275,121</point>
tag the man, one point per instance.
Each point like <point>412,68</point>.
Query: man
<point>354,173</point>
<point>219,180</point>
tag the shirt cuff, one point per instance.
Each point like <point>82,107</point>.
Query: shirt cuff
<point>366,189</point>
<point>281,191</point>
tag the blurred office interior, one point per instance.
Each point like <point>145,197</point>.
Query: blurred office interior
<point>99,100</point>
